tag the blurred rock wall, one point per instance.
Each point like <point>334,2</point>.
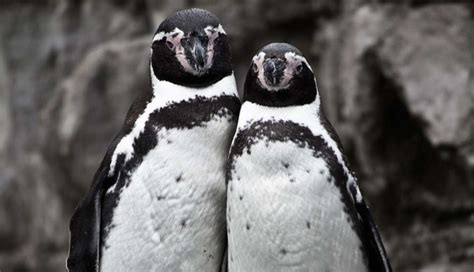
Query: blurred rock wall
<point>396,78</point>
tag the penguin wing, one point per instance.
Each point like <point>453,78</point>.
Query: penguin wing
<point>224,261</point>
<point>377,257</point>
<point>378,260</point>
<point>85,223</point>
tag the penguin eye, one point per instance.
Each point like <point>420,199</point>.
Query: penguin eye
<point>170,45</point>
<point>254,67</point>
<point>299,68</point>
<point>184,41</point>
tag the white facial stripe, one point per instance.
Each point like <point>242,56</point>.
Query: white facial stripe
<point>292,55</point>
<point>172,34</point>
<point>291,61</point>
<point>258,61</point>
<point>181,57</point>
<point>212,34</point>
<point>163,34</point>
<point>218,29</point>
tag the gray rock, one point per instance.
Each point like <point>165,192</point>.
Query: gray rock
<point>89,107</point>
<point>430,55</point>
<point>41,43</point>
<point>401,83</point>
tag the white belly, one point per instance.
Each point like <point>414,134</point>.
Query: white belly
<point>171,217</point>
<point>286,216</point>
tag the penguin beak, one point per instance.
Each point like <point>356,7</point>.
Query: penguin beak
<point>273,70</point>
<point>196,51</point>
<point>199,54</point>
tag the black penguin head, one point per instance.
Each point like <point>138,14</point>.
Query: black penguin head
<point>280,76</point>
<point>190,48</point>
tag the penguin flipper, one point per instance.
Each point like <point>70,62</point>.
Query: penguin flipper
<point>85,234</point>
<point>377,257</point>
<point>84,226</point>
<point>84,251</point>
<point>378,260</point>
<point>224,261</point>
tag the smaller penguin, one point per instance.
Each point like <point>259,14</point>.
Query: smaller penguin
<point>292,202</point>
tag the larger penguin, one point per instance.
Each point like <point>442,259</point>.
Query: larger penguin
<point>293,204</point>
<point>157,201</point>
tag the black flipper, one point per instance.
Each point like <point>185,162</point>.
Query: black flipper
<point>85,223</point>
<point>377,257</point>
<point>85,228</point>
<point>224,261</point>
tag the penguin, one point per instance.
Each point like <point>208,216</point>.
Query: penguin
<point>157,201</point>
<point>292,202</point>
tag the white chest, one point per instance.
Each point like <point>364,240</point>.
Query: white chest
<point>171,217</point>
<point>285,214</point>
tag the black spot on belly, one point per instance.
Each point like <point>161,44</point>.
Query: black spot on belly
<point>183,223</point>
<point>308,224</point>
<point>247,226</point>
<point>286,165</point>
<point>283,251</point>
<point>241,197</point>
<point>321,171</point>
<point>292,180</point>
<point>160,197</point>
<point>179,178</point>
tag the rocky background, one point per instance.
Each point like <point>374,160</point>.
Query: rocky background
<point>396,78</point>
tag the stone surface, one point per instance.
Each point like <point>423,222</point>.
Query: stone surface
<point>434,73</point>
<point>405,109</point>
<point>88,107</point>
<point>396,79</point>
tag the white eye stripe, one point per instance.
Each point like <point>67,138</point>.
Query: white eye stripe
<point>160,35</point>
<point>218,29</point>
<point>176,31</point>
<point>292,57</point>
<point>259,56</point>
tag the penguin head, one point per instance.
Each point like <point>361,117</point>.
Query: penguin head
<point>280,76</point>
<point>190,48</point>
